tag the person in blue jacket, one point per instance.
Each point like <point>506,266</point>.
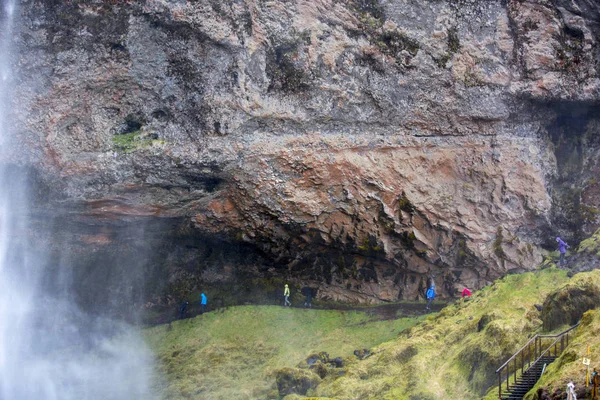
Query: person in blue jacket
<point>562,248</point>
<point>430,296</point>
<point>203,302</point>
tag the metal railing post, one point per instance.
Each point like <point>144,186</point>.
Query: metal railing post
<point>522,363</point>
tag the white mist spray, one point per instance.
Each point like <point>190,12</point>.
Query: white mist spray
<point>49,348</point>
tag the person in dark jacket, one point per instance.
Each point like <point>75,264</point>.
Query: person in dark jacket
<point>430,296</point>
<point>595,384</point>
<point>307,292</point>
<point>203,302</point>
<point>562,248</point>
<point>182,309</point>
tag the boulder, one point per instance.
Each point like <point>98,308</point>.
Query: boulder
<point>567,304</point>
<point>296,381</point>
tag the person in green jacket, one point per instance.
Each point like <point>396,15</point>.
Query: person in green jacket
<point>286,296</point>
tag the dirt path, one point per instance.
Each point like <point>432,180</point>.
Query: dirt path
<point>393,311</point>
<point>381,312</point>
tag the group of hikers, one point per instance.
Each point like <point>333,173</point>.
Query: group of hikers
<point>308,292</point>
<point>430,295</point>
<point>203,302</point>
<point>466,293</point>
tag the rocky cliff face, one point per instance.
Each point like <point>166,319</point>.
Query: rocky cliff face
<point>362,146</point>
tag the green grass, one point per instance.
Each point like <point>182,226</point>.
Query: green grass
<point>235,354</point>
<point>452,355</point>
<point>569,367</point>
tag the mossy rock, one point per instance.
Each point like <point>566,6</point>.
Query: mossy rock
<point>486,319</point>
<point>567,305</point>
<point>591,245</point>
<point>320,369</point>
<point>314,358</point>
<point>481,367</point>
<point>296,381</point>
<point>480,359</point>
<point>406,354</point>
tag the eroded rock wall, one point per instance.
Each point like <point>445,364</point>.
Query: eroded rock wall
<point>361,146</point>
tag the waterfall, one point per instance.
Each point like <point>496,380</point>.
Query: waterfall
<point>49,348</point>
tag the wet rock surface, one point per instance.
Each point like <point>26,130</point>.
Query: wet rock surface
<point>361,148</point>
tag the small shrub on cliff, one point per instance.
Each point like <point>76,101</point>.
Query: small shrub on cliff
<point>404,204</point>
<point>283,69</point>
<point>453,40</point>
<point>498,250</point>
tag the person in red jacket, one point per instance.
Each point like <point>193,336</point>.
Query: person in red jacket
<point>466,292</point>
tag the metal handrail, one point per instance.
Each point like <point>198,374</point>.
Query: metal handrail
<point>548,349</point>
<point>537,353</point>
<point>517,353</point>
<point>562,333</point>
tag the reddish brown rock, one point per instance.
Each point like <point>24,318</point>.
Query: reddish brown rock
<point>364,149</point>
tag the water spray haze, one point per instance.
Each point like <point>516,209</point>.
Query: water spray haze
<point>50,348</point>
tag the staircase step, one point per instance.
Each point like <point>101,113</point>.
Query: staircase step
<point>529,373</point>
<point>519,390</point>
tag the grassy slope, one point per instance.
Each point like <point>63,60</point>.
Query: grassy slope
<point>569,366</point>
<point>452,355</point>
<point>235,354</point>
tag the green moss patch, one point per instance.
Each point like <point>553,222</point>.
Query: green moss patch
<point>568,367</point>
<point>238,353</point>
<point>452,355</point>
<point>394,43</point>
<point>567,304</point>
<point>591,245</point>
<point>132,141</point>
